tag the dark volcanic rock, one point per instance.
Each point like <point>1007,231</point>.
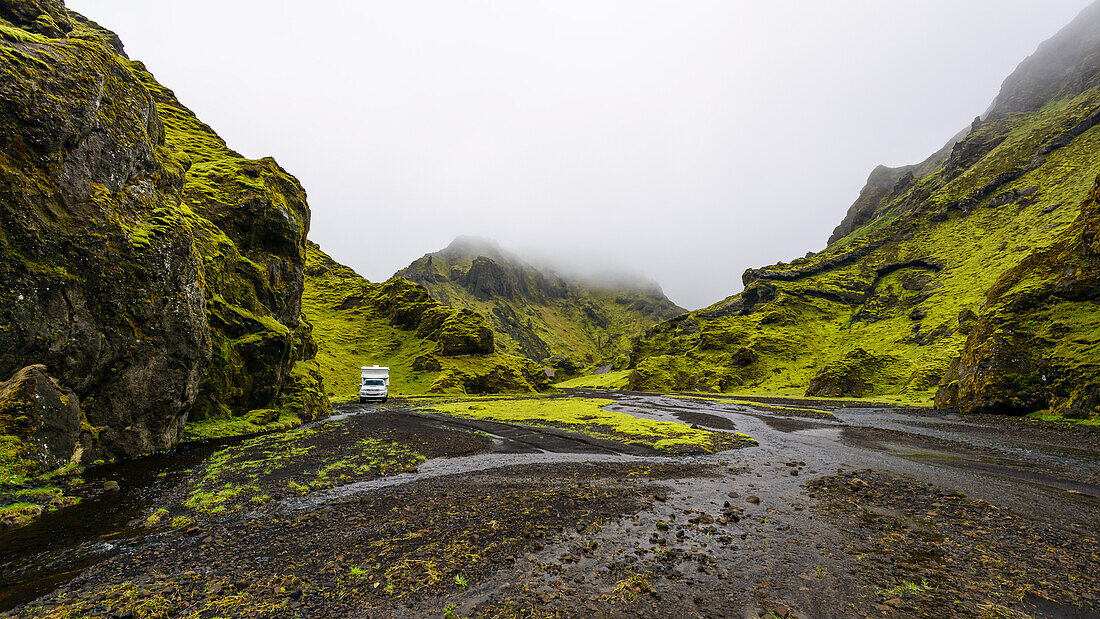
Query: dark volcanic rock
<point>43,415</point>
<point>101,281</point>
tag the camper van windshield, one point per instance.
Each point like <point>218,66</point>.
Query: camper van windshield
<point>373,381</point>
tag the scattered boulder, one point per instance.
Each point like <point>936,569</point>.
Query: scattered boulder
<point>849,376</point>
<point>43,418</point>
<point>426,363</point>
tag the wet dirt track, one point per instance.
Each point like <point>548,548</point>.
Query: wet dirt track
<point>873,512</point>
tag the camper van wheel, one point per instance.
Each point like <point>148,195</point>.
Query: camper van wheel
<point>362,400</point>
<point>384,400</point>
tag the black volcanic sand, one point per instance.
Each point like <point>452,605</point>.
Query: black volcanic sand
<point>952,555</point>
<point>888,513</point>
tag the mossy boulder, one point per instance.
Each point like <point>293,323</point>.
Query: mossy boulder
<point>465,333</point>
<point>40,424</point>
<point>853,375</point>
<point>505,374</point>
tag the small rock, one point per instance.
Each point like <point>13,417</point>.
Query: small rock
<point>110,485</point>
<point>752,498</point>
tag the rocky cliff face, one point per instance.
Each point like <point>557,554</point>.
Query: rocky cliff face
<point>146,267</point>
<point>430,347</point>
<point>561,322</point>
<point>922,270</point>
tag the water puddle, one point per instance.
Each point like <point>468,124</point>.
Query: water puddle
<point>59,545</point>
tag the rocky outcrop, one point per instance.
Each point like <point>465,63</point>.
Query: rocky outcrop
<point>44,420</point>
<point>145,265</point>
<point>853,375</point>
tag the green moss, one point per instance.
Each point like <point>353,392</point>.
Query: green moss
<point>21,506</point>
<point>238,426</point>
<point>154,518</point>
<point>589,416</point>
<point>610,380</point>
<point>295,462</point>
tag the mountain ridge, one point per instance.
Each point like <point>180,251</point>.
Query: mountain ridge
<point>563,322</point>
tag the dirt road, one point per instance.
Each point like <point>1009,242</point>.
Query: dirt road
<point>847,512</point>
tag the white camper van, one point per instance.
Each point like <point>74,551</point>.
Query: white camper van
<point>375,384</point>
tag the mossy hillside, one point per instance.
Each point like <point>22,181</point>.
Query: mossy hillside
<point>588,416</point>
<point>428,346</point>
<point>906,286</point>
<point>1036,344</point>
<point>567,324</point>
<point>157,237</point>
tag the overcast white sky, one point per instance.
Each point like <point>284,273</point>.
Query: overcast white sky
<point>683,140</point>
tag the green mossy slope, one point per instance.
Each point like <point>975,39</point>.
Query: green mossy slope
<point>566,324</point>
<point>149,269</point>
<point>887,307</point>
<point>429,347</point>
<point>1036,344</point>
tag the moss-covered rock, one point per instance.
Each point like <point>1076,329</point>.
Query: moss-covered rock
<point>465,333</point>
<point>134,245</point>
<point>853,375</point>
<point>39,424</point>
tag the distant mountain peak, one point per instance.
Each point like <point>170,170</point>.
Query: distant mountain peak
<point>572,322</point>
